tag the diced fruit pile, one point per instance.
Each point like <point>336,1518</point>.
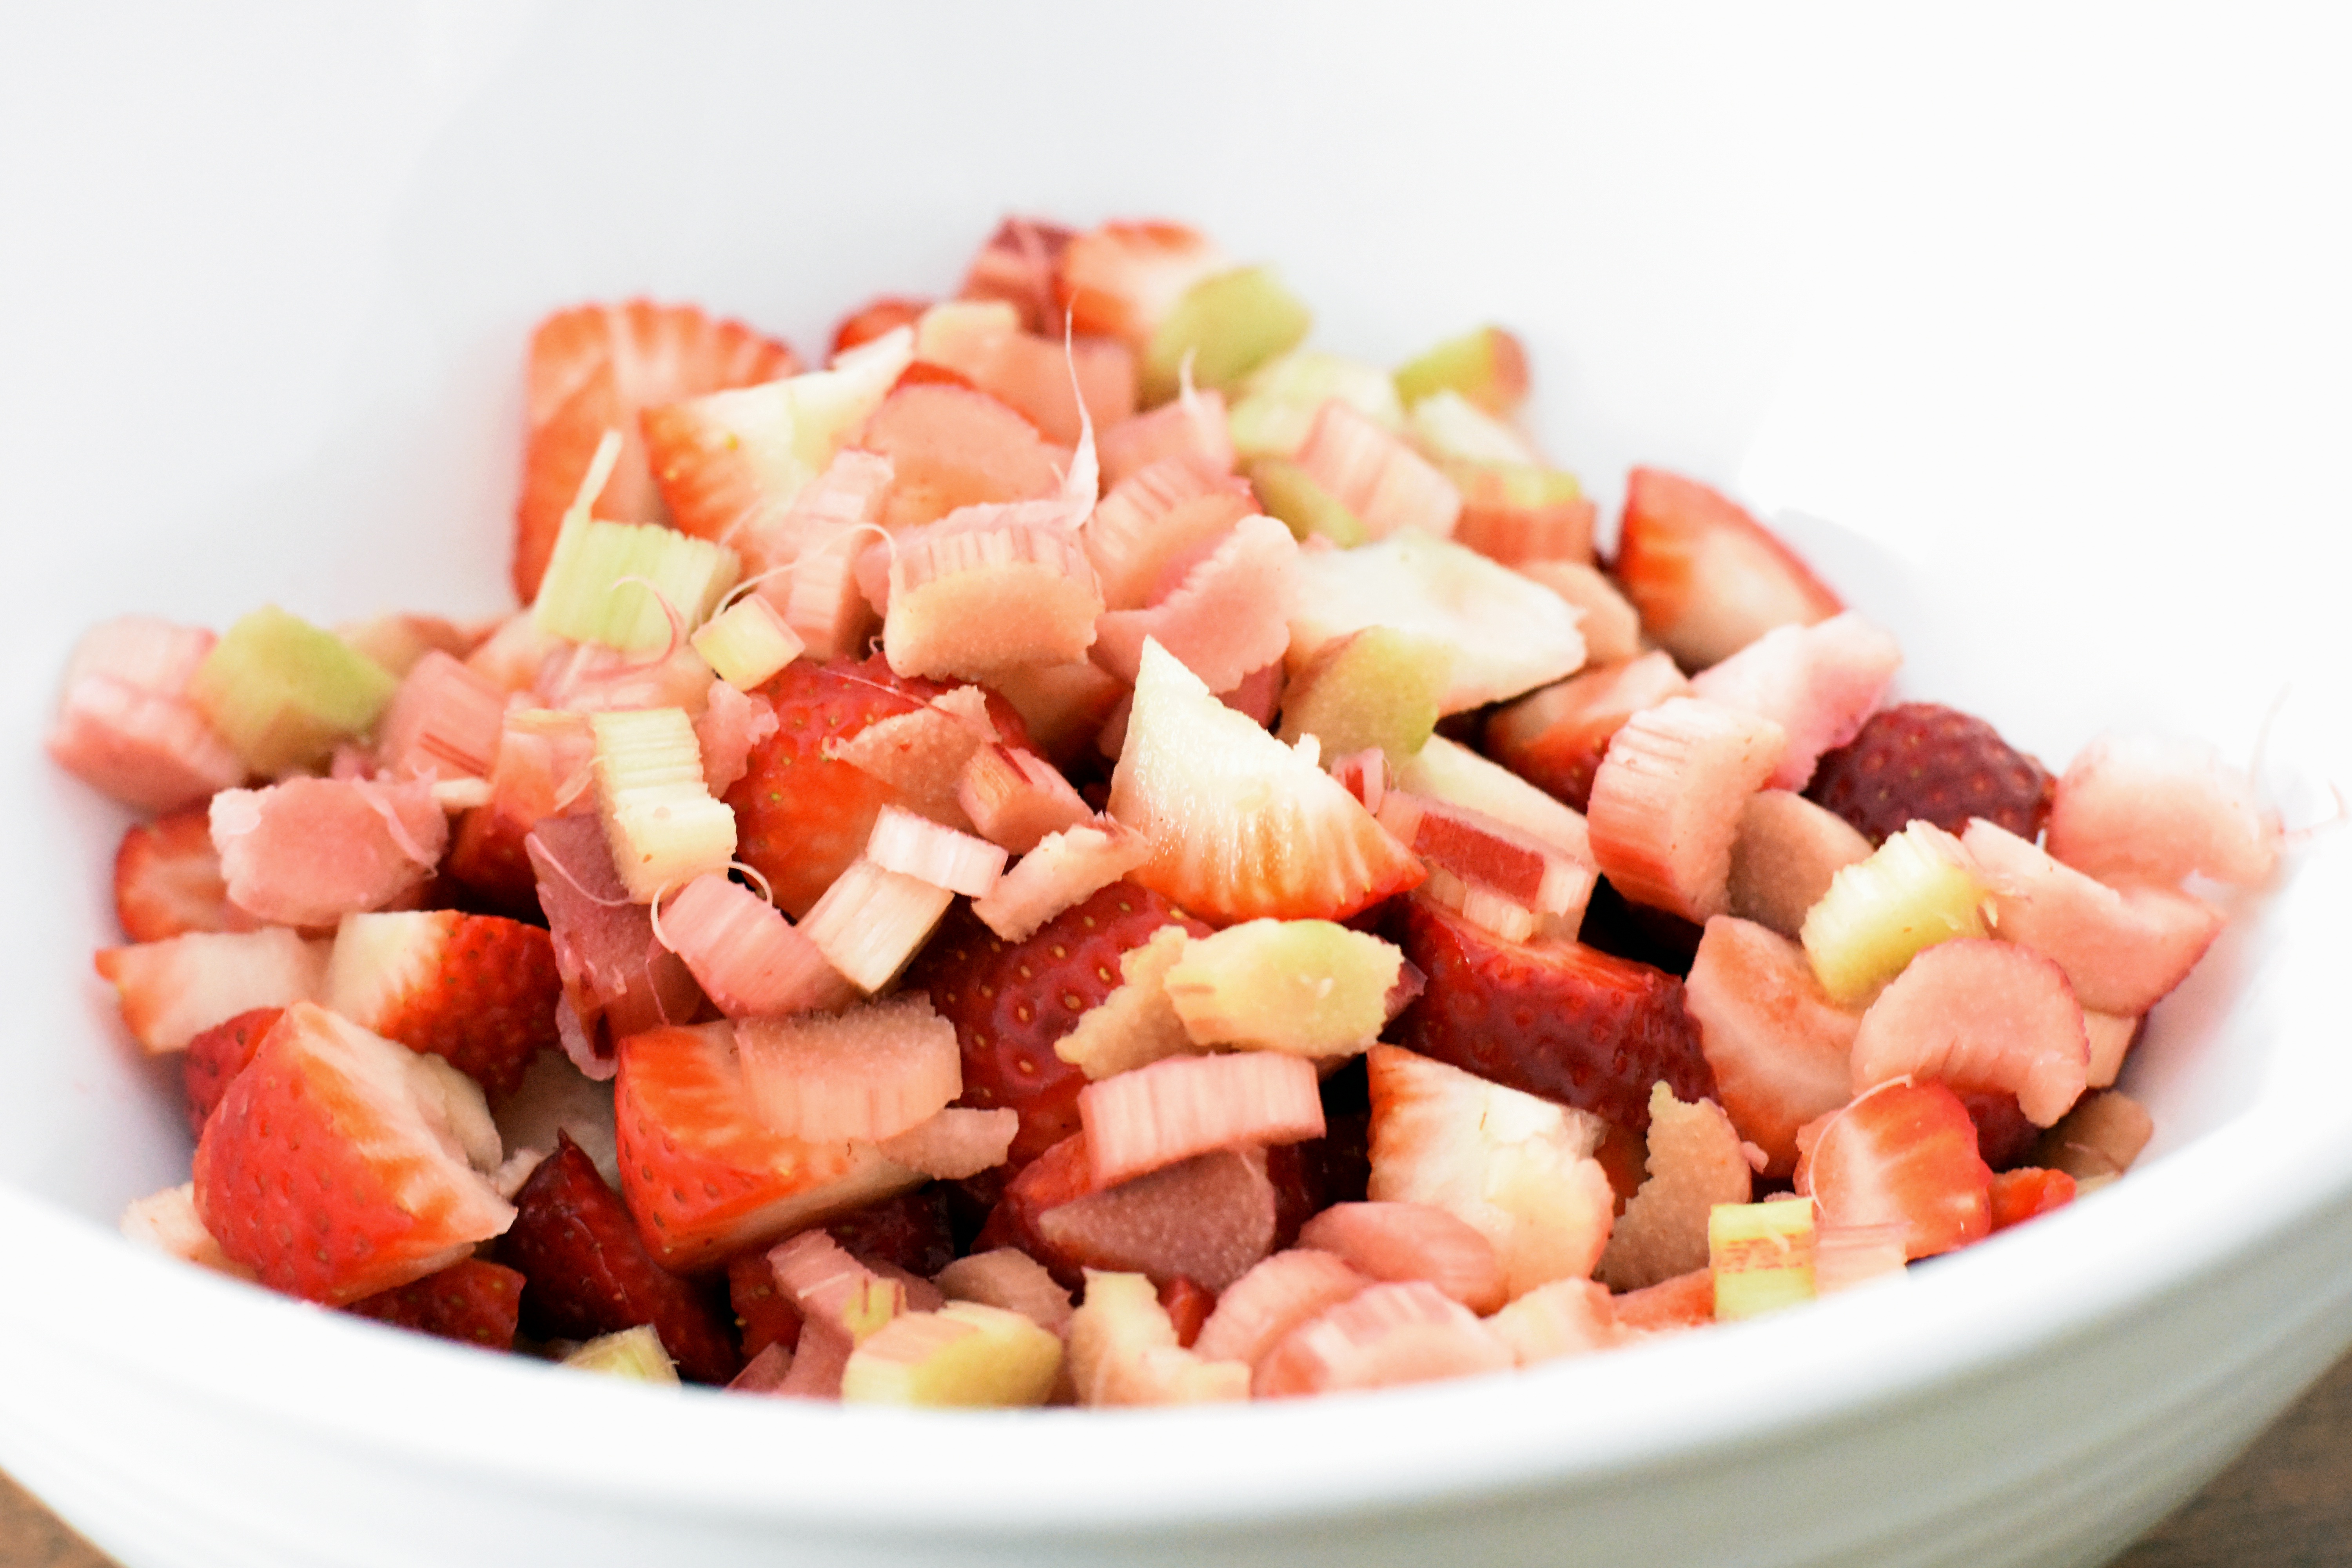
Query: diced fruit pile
<point>1084,851</point>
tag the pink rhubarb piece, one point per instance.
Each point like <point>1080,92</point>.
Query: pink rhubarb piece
<point>1396,1241</point>
<point>310,851</point>
<point>1817,682</point>
<point>955,1144</point>
<point>1975,1014</point>
<point>124,728</point>
<point>1782,1053</point>
<point>1487,852</point>
<point>728,727</point>
<point>1063,869</point>
<point>748,959</point>
<point>617,979</point>
<point>1381,1337</point>
<point>1229,618</point>
<point>1192,427</point>
<point>1273,1297</point>
<point>1182,1106</point>
<point>1666,802</point>
<point>870,1073</point>
<point>918,847</point>
<point>1016,797</point>
<point>1388,485</point>
<point>1159,519</point>
<point>445,719</point>
<point>2152,809</point>
<point>1207,1219</point>
<point>871,920</point>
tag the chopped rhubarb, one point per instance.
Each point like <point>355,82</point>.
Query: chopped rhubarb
<point>284,693</point>
<point>1485,366</point>
<point>1521,513</point>
<point>747,641</point>
<point>1787,852</point>
<point>308,851</point>
<point>1229,616</point>
<point>125,724</point>
<point>1376,476</point>
<point>1376,686</point>
<point>1493,855</point>
<point>1311,988</point>
<point>872,1073</point>
<point>1280,401</point>
<point>1565,1318</point>
<point>1917,889</point>
<point>833,1289</point>
<point>1220,328</point>
<point>951,446</point>
<point>970,604</point>
<point>1138,1024</point>
<point>1667,798</point>
<point>1555,738</point>
<point>443,720</point>
<point>1395,1241</point>
<point>2140,808</point>
<point>1123,1349</point>
<point>1696,1164</point>
<point>1158,519</point>
<point>1762,1256</point>
<point>1274,1297</point>
<point>1193,427</point>
<point>630,585</point>
<point>654,801</point>
<point>1016,797</point>
<point>871,921</point>
<point>963,1356</point>
<point>1384,1336</point>
<point>1183,1106</point>
<point>956,1143</point>
<point>1780,1051</point>
<point>1064,868</point>
<point>1008,1278</point>
<point>914,847</point>
<point>1818,682</point>
<point>1207,1219</point>
<point>748,959</point>
<point>1611,626</point>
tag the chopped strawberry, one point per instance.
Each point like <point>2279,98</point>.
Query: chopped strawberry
<point>1121,279</point>
<point>617,978</point>
<point>1043,378</point>
<point>1240,825</point>
<point>1685,1301</point>
<point>477,991</point>
<point>881,314</point>
<point>471,1301</point>
<point>1904,1153</point>
<point>216,1056</point>
<point>1923,760</point>
<point>172,990</point>
<point>1019,265</point>
<point>763,1313</point>
<point>589,1274</point>
<point>339,1164</point>
<point>1188,1306</point>
<point>1781,1052</point>
<point>1555,738</point>
<point>703,1177</point>
<point>911,1231</point>
<point>2022,1194</point>
<point>1058,1175</point>
<point>1706,576</point>
<point>1554,1018</point>
<point>593,369</point>
<point>801,816</point>
<point>1011,1002</point>
<point>1819,683</point>
<point>167,879</point>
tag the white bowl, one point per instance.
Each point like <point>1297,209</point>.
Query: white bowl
<point>2048,313</point>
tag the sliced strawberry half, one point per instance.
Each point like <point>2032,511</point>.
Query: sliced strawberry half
<point>1240,825</point>
<point>1707,577</point>
<point>1979,1016</point>
<point>1906,1154</point>
<point>1554,1018</point>
<point>167,879</point>
<point>1018,265</point>
<point>216,1056</point>
<point>472,1301</point>
<point>703,1175</point>
<point>589,1273</point>
<point>594,368</point>
<point>478,991</point>
<point>338,1163</point>
<point>1781,1052</point>
<point>1121,279</point>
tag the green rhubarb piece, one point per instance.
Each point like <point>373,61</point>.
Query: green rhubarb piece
<point>661,821</point>
<point>1312,988</point>
<point>1519,486</point>
<point>1229,325</point>
<point>1762,1256</point>
<point>1376,686</point>
<point>1279,401</point>
<point>1487,366</point>
<point>609,582</point>
<point>747,642</point>
<point>635,1353</point>
<point>966,1356</point>
<point>1449,427</point>
<point>1917,889</point>
<point>1294,498</point>
<point>285,693</point>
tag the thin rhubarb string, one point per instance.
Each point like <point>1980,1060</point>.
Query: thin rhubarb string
<point>600,472</point>
<point>374,794</point>
<point>767,889</point>
<point>561,869</point>
<point>671,612</point>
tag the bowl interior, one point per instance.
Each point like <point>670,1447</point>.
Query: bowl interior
<point>291,270</point>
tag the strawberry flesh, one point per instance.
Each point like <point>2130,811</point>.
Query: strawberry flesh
<point>472,1301</point>
<point>1922,759</point>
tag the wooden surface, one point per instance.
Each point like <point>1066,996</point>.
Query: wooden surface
<point>2287,1504</point>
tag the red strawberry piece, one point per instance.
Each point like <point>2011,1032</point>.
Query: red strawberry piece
<point>2005,1138</point>
<point>1782,1053</point>
<point>1923,760</point>
<point>339,1164</point>
<point>594,368</point>
<point>1902,1153</point>
<point>1061,1174</point>
<point>802,816</point>
<point>478,991</point>
<point>909,1231</point>
<point>1554,1018</point>
<point>167,879</point>
<point>1685,1301</point>
<point>487,862</point>
<point>1708,578</point>
<point>471,1301</point>
<point>765,1314</point>
<point>589,1273</point>
<point>1188,1306</point>
<point>216,1056</point>
<point>702,1175</point>
<point>2028,1189</point>
<point>1019,265</point>
<point>1010,1002</point>
<point>883,314</point>
<point>617,980</point>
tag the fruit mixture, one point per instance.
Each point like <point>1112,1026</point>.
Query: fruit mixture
<point>1087,852</point>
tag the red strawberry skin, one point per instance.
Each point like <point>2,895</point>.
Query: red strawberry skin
<point>1903,1153</point>
<point>589,1274</point>
<point>167,879</point>
<point>471,1301</point>
<point>801,816</point>
<point>911,1231</point>
<point>1019,265</point>
<point>1188,1306</point>
<point>764,1315</point>
<point>1060,1175</point>
<point>1706,577</point>
<point>1559,1019</point>
<point>597,367</point>
<point>1010,1002</point>
<point>2021,1193</point>
<point>883,314</point>
<point>492,1006</point>
<point>216,1056</point>
<point>1923,760</point>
